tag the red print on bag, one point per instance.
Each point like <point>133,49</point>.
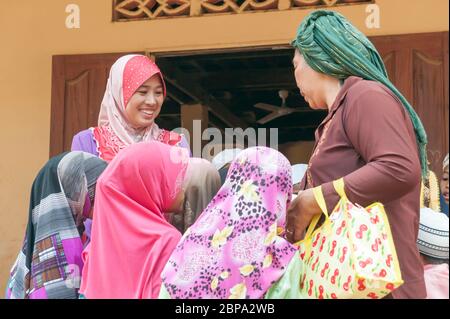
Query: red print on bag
<point>322,273</point>
<point>360,233</point>
<point>375,246</point>
<point>316,241</point>
<point>344,251</point>
<point>333,278</point>
<point>346,284</point>
<point>339,230</point>
<point>311,284</point>
<point>302,282</point>
<point>388,260</point>
<point>321,292</point>
<point>321,245</point>
<point>333,248</point>
<point>375,220</point>
<point>390,286</point>
<point>372,295</point>
<point>315,264</point>
<point>333,295</point>
<point>364,263</point>
<point>382,273</point>
<point>361,285</point>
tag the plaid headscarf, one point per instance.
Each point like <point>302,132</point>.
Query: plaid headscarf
<point>49,264</point>
<point>331,45</point>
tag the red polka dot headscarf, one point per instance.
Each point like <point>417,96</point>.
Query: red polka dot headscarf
<point>127,74</point>
<point>138,69</point>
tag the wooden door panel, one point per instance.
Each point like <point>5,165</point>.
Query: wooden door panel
<point>390,62</point>
<point>78,86</point>
<point>76,102</point>
<point>429,102</point>
<point>417,64</point>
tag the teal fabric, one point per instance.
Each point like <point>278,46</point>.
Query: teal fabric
<point>333,46</point>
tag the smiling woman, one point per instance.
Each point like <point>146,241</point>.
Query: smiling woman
<point>134,95</point>
<point>145,104</point>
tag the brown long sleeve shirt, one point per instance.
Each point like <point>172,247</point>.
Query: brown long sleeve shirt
<point>368,138</point>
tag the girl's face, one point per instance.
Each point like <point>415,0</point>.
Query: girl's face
<point>145,104</point>
<point>444,185</point>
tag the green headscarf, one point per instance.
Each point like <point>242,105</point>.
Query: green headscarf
<point>331,45</point>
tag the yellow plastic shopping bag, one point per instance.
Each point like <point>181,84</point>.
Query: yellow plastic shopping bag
<point>352,255</point>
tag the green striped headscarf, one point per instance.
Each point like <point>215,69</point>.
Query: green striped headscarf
<point>331,45</point>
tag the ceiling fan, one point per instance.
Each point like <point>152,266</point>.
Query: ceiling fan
<point>277,111</point>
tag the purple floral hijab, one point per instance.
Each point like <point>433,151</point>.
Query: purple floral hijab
<point>233,250</point>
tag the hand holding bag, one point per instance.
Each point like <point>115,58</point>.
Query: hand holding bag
<point>352,255</point>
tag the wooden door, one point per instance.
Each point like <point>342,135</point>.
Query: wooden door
<point>418,66</point>
<point>78,86</point>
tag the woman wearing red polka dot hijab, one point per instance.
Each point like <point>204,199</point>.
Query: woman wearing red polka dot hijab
<point>134,94</point>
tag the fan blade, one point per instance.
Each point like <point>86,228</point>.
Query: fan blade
<point>304,110</point>
<point>269,118</point>
<point>285,110</point>
<point>266,107</point>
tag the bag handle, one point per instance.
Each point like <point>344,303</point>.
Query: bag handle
<point>339,187</point>
<point>318,194</point>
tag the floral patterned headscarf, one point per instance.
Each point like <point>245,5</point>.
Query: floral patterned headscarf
<point>233,250</point>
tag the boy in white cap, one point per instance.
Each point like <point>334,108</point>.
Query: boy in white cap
<point>433,244</point>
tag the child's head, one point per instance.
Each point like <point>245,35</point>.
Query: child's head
<point>433,240</point>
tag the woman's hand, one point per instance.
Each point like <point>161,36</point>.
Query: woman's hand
<point>299,215</point>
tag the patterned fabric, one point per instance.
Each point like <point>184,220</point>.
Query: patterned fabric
<point>131,240</point>
<point>233,250</point>
<point>109,145</point>
<point>49,264</point>
<point>331,45</point>
<point>113,132</point>
<point>352,255</point>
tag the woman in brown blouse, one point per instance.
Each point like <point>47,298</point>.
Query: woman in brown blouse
<point>372,137</point>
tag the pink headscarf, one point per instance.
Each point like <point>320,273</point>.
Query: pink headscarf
<point>233,250</point>
<point>114,133</point>
<point>131,240</point>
